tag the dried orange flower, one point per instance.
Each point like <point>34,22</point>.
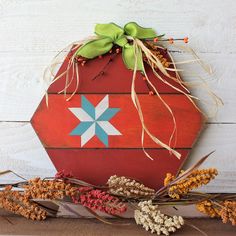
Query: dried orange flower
<point>169,177</point>
<point>228,212</point>
<point>120,185</point>
<point>207,207</point>
<point>18,203</point>
<point>48,189</point>
<point>196,179</point>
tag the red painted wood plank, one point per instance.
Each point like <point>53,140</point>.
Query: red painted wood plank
<point>116,79</point>
<point>53,124</point>
<point>97,165</point>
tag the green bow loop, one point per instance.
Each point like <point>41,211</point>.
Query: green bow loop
<point>95,48</point>
<point>136,31</point>
<point>113,31</point>
<point>110,34</point>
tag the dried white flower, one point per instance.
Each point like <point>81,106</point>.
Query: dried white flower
<point>154,221</point>
<point>123,186</point>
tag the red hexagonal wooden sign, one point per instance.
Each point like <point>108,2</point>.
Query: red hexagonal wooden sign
<point>98,132</point>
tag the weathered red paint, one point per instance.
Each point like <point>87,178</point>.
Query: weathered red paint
<point>95,163</point>
<point>54,123</point>
<point>116,79</point>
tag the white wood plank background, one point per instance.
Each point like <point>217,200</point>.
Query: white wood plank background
<point>33,31</point>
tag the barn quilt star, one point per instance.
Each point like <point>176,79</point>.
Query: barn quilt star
<point>94,121</point>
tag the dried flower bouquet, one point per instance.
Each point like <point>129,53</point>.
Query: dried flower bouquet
<point>22,198</point>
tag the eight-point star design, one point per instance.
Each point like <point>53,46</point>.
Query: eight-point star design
<point>94,120</point>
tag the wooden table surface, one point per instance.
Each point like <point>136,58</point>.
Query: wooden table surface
<point>19,226</point>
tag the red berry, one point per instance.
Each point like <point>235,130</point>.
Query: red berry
<point>155,40</point>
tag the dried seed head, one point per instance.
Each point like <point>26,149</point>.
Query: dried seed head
<point>195,180</point>
<point>18,203</point>
<point>207,207</point>
<point>169,177</point>
<point>154,221</point>
<point>48,189</point>
<point>228,212</point>
<point>96,199</point>
<point>122,186</point>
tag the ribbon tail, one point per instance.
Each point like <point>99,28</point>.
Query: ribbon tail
<point>153,60</point>
<point>77,81</point>
<point>129,54</point>
<point>50,72</point>
<point>137,105</point>
<point>174,132</point>
<point>216,100</point>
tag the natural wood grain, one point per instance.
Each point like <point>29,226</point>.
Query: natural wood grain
<point>86,227</point>
<point>45,26</point>
<point>21,151</point>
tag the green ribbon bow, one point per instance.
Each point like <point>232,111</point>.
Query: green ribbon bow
<point>110,34</point>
